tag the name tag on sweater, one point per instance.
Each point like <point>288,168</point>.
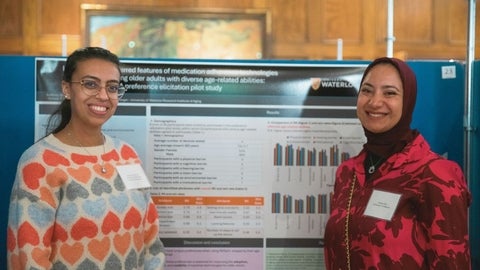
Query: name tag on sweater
<point>382,204</point>
<point>133,176</point>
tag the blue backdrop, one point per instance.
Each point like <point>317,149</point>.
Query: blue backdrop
<point>438,115</point>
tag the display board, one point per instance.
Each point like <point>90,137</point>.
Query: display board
<point>241,154</point>
<point>241,157</point>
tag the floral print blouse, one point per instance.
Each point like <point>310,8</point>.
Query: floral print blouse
<point>428,229</point>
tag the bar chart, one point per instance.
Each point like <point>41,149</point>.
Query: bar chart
<point>289,155</point>
<point>311,204</point>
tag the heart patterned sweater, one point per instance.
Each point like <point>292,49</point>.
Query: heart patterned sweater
<point>66,213</point>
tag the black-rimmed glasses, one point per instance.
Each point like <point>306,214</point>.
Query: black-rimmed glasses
<point>114,90</point>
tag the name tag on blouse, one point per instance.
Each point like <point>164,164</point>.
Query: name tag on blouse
<point>133,176</point>
<point>382,204</point>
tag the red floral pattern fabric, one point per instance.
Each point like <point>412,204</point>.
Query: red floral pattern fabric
<point>429,229</point>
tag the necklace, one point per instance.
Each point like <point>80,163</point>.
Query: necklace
<point>347,220</point>
<point>103,169</point>
<point>372,167</point>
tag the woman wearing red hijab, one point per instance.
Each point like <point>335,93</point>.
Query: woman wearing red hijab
<point>397,204</point>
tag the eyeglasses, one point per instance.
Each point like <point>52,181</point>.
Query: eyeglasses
<point>91,88</point>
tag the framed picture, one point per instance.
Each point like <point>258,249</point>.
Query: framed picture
<point>154,32</point>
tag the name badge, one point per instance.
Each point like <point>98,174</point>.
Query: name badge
<point>133,176</point>
<point>382,204</point>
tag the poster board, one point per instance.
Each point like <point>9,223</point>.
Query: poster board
<point>439,109</point>
<point>241,155</point>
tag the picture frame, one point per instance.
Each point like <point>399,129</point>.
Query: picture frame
<point>154,32</point>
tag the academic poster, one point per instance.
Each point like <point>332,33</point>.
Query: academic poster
<point>241,155</point>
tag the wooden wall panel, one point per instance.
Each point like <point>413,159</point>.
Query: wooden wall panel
<point>302,29</point>
<point>342,19</point>
<point>67,21</point>
<point>30,22</point>
<point>314,21</point>
<point>457,29</point>
<point>236,4</point>
<point>11,45</point>
<point>442,22</point>
<point>13,25</point>
<point>414,23</point>
<point>289,21</point>
<point>290,36</point>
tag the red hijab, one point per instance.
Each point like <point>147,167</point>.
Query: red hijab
<point>392,141</point>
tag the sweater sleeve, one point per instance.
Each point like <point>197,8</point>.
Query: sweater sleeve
<point>58,213</point>
<point>32,213</point>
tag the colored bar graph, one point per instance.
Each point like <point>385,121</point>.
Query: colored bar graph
<point>312,204</point>
<point>289,155</point>
<point>323,203</point>
<point>276,203</point>
<point>311,157</point>
<point>299,206</point>
<point>334,155</point>
<point>322,158</point>
<point>287,204</point>
<point>300,156</point>
<point>277,155</point>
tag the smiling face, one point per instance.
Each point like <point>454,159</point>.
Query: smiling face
<point>91,112</point>
<point>380,99</point>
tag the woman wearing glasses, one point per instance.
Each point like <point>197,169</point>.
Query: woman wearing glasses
<point>70,207</point>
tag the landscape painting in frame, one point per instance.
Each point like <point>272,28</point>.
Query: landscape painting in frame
<point>151,32</point>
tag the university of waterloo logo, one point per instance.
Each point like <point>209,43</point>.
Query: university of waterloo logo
<point>331,87</point>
